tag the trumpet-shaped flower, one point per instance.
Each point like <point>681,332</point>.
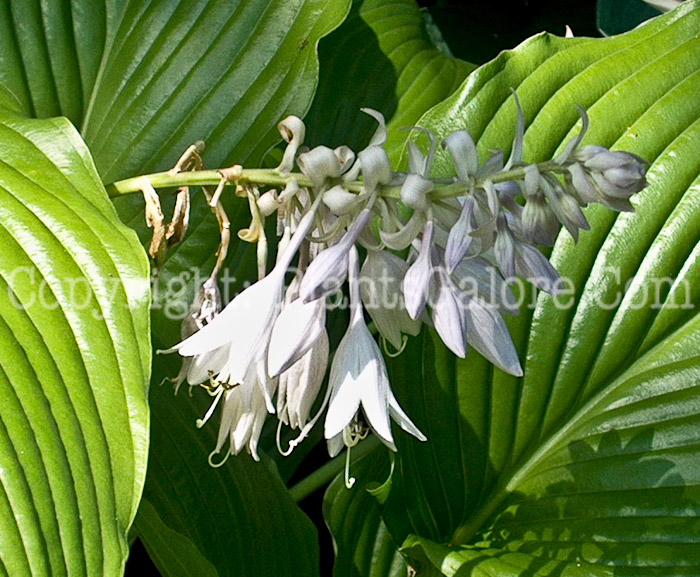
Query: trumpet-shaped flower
<point>245,409</point>
<point>245,324</point>
<point>359,379</point>
<point>300,384</point>
<point>328,270</point>
<point>380,285</point>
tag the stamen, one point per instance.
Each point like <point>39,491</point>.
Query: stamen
<point>214,465</point>
<point>278,440</point>
<point>201,422</point>
<point>349,481</point>
<point>388,353</point>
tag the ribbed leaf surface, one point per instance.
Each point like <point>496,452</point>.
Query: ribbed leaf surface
<point>234,520</point>
<point>75,359</point>
<point>591,459</point>
<point>362,542</point>
<point>383,58</point>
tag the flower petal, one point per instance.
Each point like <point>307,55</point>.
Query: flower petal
<point>402,238</point>
<point>402,419</point>
<point>416,283</point>
<point>296,329</point>
<point>448,315</point>
<point>533,266</point>
<point>488,334</point>
<point>459,238</point>
<point>462,150</point>
<point>380,285</point>
<point>374,391</point>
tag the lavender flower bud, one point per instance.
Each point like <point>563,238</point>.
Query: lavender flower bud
<point>539,223</point>
<point>416,283</point>
<point>618,174</point>
<point>462,149</point>
<point>459,239</point>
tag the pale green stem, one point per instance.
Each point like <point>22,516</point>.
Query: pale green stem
<point>325,474</point>
<point>268,177</point>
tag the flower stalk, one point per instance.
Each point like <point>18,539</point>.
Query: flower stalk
<point>268,177</point>
<point>464,236</point>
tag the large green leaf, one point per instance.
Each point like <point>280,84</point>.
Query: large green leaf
<point>382,57</point>
<point>591,458</point>
<point>362,542</point>
<point>75,360</point>
<point>143,80</point>
<point>234,520</point>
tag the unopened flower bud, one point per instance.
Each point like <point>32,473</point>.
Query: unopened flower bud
<point>619,174</point>
<point>539,223</point>
<point>460,239</point>
<point>414,192</point>
<point>416,282</point>
<point>462,150</point>
<point>532,181</point>
<point>339,200</point>
<point>327,272</point>
<point>293,131</point>
<point>319,164</point>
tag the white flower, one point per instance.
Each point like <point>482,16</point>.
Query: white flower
<point>299,384</point>
<point>417,281</point>
<point>243,415</point>
<point>359,378</point>
<point>380,285</point>
<point>245,324</point>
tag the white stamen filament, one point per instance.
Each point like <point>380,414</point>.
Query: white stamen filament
<point>217,394</point>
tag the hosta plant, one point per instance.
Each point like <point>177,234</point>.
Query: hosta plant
<point>458,298</point>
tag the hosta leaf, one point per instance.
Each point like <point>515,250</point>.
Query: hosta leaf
<point>144,80</point>
<point>50,53</point>
<point>591,458</point>
<point>172,552</point>
<point>362,542</point>
<point>222,71</point>
<point>75,362</point>
<point>383,58</point>
<point>235,520</point>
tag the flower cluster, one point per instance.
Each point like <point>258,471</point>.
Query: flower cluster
<point>434,251</point>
